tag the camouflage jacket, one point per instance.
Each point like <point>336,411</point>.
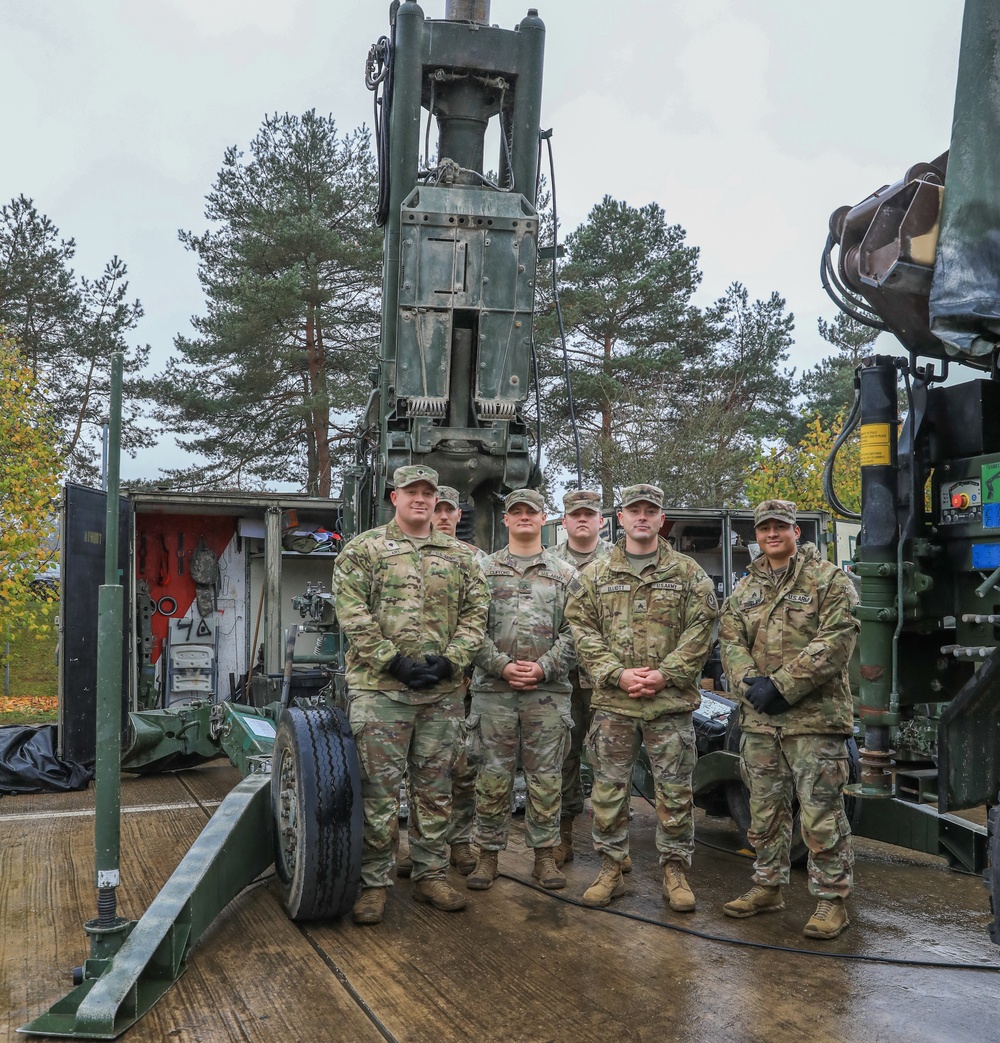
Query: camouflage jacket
<point>602,550</point>
<point>392,596</point>
<point>579,677</point>
<point>801,634</point>
<point>662,620</point>
<point>526,621</point>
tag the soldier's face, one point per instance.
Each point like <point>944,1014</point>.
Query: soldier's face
<point>582,525</point>
<point>414,504</point>
<point>641,521</point>
<point>777,539</point>
<point>446,517</point>
<point>523,520</point>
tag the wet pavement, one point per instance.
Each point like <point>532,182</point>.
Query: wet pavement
<point>519,963</point>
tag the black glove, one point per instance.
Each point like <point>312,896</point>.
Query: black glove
<point>440,667</point>
<point>410,672</point>
<point>764,697</point>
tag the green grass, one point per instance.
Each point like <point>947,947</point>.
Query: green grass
<point>33,675</point>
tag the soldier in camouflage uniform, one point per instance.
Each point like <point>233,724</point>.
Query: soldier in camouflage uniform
<point>582,522</point>
<point>412,603</point>
<point>447,513</point>
<point>787,634</point>
<point>521,693</point>
<point>642,622</point>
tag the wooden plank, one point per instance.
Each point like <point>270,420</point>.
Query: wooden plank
<point>254,976</point>
<point>519,964</point>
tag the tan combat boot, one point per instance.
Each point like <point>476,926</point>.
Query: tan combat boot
<point>676,889</point>
<point>829,919</point>
<point>758,899</point>
<point>626,865</point>
<point>370,906</point>
<point>481,878</point>
<point>609,884</point>
<point>463,857</point>
<point>563,851</point>
<point>546,872</point>
<point>440,894</point>
<point>404,866</point>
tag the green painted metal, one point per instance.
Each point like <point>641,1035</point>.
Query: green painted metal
<point>246,736</point>
<point>920,827</point>
<point>235,847</point>
<point>107,931</point>
<point>714,769</point>
<point>459,254</point>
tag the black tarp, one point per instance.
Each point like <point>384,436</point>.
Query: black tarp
<point>28,762</point>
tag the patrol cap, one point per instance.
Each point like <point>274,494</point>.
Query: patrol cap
<point>532,497</point>
<point>779,510</point>
<point>578,499</point>
<point>650,493</point>
<point>446,494</point>
<point>411,473</point>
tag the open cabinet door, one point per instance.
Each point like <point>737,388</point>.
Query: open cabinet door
<point>82,553</point>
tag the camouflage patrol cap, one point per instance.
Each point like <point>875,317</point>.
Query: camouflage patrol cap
<point>411,473</point>
<point>446,494</point>
<point>532,497</point>
<point>650,493</point>
<point>578,499</point>
<point>779,510</point>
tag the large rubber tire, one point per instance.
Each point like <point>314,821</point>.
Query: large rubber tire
<point>738,798</point>
<point>318,813</point>
<point>992,872</point>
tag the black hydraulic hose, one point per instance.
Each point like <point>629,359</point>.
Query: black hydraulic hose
<point>378,79</point>
<point>547,136</point>
<point>829,492</point>
<point>847,302</point>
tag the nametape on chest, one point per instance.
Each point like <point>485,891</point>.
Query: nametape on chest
<point>615,588</point>
<point>496,571</point>
<point>667,586</point>
<point>395,547</point>
<point>755,599</point>
<point>799,599</point>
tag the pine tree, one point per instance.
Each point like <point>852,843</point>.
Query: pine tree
<point>270,387</point>
<point>626,289</point>
<point>66,330</point>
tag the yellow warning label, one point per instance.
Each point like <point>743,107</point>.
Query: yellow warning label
<point>875,445</point>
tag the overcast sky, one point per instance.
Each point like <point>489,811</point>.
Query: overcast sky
<point>748,122</point>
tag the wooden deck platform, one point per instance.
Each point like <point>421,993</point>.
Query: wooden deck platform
<point>518,964</point>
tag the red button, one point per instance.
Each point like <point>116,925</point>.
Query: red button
<point>960,500</point>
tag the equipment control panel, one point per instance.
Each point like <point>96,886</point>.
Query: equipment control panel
<point>961,501</point>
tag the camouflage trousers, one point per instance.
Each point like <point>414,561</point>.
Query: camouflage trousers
<point>421,740</point>
<point>463,792</point>
<point>572,784</point>
<point>536,725</point>
<point>814,768</point>
<point>614,742</point>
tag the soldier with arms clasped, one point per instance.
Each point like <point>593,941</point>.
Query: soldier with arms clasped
<point>521,693</point>
<point>787,634</point>
<point>412,602</point>
<point>582,522</point>
<point>642,622</point>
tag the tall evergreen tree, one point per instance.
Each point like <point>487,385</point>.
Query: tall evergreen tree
<point>626,289</point>
<point>733,397</point>
<point>270,387</point>
<point>66,329</point>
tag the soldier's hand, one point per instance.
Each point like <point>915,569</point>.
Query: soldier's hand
<point>410,672</point>
<point>638,684</point>
<point>764,697</point>
<point>440,667</point>
<point>522,675</point>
